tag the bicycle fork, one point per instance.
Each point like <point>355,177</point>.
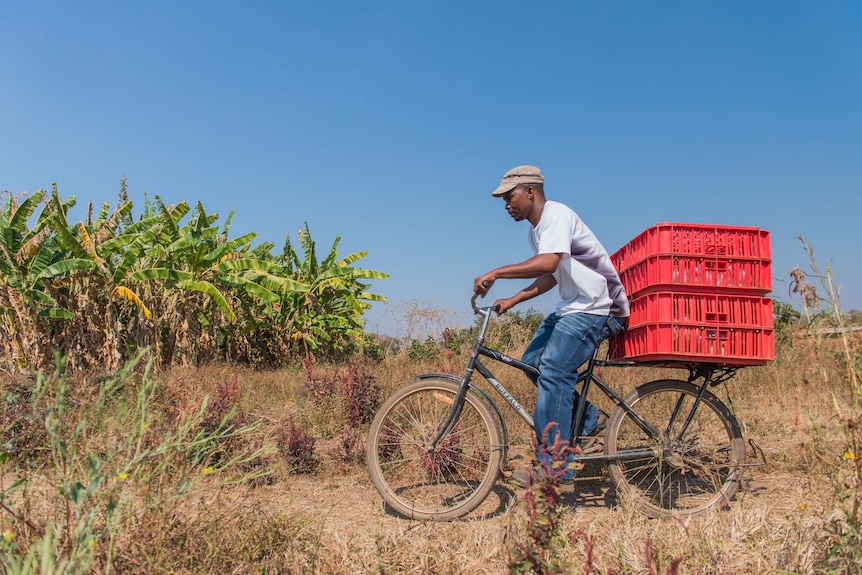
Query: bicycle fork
<point>460,396</point>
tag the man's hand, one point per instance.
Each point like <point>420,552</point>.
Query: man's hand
<point>503,305</point>
<point>483,283</point>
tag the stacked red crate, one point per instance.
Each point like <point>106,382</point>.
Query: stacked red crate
<point>696,295</point>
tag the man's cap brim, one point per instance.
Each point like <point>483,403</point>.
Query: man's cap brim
<point>503,188</point>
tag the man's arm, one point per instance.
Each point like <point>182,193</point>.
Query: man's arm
<point>538,287</point>
<point>540,266</point>
<point>537,266</point>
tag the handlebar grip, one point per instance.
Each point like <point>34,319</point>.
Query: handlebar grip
<point>485,284</point>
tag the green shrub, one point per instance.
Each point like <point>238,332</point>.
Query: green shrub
<point>419,350</point>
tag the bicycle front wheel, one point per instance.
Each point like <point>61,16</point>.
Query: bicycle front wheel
<point>695,459</point>
<point>445,482</point>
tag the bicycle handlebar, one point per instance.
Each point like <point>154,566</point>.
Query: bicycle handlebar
<point>473,300</point>
<point>473,303</point>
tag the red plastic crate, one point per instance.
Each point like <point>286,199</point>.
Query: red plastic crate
<point>695,240</point>
<point>663,271</point>
<point>667,342</point>
<point>703,309</point>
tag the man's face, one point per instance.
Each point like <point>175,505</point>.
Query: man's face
<point>519,203</point>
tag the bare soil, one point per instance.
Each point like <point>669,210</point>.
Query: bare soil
<point>350,515</point>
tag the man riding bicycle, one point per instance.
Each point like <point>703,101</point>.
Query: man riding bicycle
<point>593,305</point>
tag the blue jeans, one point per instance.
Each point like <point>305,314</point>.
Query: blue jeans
<point>561,345</point>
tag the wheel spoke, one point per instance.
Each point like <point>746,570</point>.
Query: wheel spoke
<point>700,451</point>
<point>441,483</point>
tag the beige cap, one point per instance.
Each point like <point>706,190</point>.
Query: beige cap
<point>517,176</point>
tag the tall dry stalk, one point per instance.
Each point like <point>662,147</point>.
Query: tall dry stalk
<point>847,467</point>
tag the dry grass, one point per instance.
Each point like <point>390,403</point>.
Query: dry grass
<point>333,521</point>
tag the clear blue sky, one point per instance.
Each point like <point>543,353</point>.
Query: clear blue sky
<point>389,123</point>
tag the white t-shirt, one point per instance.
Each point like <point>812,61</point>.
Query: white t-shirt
<point>585,276</point>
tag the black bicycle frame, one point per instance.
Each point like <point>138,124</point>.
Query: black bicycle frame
<point>585,378</point>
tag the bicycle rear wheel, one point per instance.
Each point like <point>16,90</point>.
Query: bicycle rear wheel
<point>693,467</point>
<point>440,484</point>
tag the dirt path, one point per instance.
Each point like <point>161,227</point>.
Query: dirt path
<point>344,516</point>
<point>350,508</point>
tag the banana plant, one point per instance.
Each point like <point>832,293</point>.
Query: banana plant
<point>328,309</point>
<point>32,261</point>
<point>204,275</point>
<point>189,285</point>
<point>186,261</point>
<point>32,258</point>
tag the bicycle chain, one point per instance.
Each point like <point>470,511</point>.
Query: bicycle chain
<point>591,478</point>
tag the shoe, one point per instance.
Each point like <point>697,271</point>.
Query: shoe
<point>601,425</point>
<point>519,476</point>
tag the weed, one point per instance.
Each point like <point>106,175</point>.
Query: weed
<point>673,568</point>
<point>296,445</point>
<point>541,501</point>
<point>345,398</point>
<point>223,412</point>
<point>371,347</point>
<point>21,427</point>
<point>422,350</point>
<point>360,395</point>
<point>321,387</point>
<point>349,449</point>
<point>456,340</point>
<point>542,551</point>
<point>106,471</point>
<point>418,321</point>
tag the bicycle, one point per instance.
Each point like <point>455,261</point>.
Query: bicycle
<point>436,447</point>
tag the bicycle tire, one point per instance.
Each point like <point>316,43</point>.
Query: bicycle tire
<point>445,484</point>
<point>688,474</point>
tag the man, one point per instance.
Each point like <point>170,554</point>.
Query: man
<point>593,303</point>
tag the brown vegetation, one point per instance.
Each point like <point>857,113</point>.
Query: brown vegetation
<point>210,482</point>
<point>228,469</point>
